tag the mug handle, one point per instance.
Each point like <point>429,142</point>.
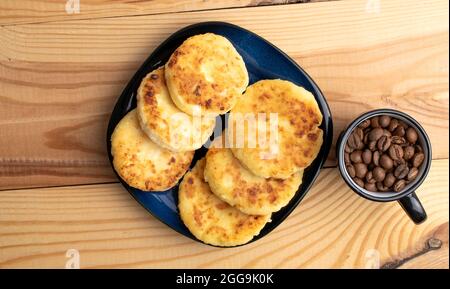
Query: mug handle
<point>413,208</point>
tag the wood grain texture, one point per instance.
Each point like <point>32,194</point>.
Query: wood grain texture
<point>59,81</point>
<point>435,254</point>
<point>332,228</point>
<point>38,11</point>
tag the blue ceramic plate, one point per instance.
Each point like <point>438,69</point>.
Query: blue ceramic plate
<point>263,61</point>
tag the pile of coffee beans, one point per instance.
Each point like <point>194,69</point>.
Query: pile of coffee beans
<point>382,154</point>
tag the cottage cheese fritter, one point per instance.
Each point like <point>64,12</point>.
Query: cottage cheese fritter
<point>140,162</point>
<point>297,138</point>
<point>206,74</point>
<point>164,123</point>
<point>210,219</point>
<point>239,187</point>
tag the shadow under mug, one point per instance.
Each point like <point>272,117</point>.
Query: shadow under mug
<point>407,198</point>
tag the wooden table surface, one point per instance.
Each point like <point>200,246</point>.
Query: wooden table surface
<point>60,75</point>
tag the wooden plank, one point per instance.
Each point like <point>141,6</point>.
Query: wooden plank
<point>332,228</point>
<point>69,73</point>
<point>38,11</point>
<point>435,255</point>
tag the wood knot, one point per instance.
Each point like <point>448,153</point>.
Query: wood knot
<point>434,243</point>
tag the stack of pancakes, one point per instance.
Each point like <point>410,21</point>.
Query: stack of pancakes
<point>229,196</point>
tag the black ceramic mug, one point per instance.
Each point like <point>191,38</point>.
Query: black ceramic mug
<point>406,197</point>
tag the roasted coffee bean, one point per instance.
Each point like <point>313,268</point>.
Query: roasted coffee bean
<point>396,152</point>
<point>411,135</point>
<point>399,185</point>
<point>351,141</point>
<point>356,156</point>
<point>360,170</point>
<point>393,125</point>
<point>364,124</point>
<point>372,145</point>
<point>403,124</point>
<point>381,187</point>
<point>370,187</point>
<point>378,174</point>
<point>369,178</point>
<point>386,162</point>
<point>383,154</point>
<point>418,149</point>
<point>384,120</point>
<point>408,152</point>
<point>376,158</point>
<point>361,145</point>
<point>398,140</point>
<point>374,122</point>
<point>399,131</point>
<point>413,172</point>
<point>347,158</point>
<point>366,138</point>
<point>417,159</point>
<point>401,171</point>
<point>359,132</point>
<point>389,180</point>
<point>366,156</point>
<point>399,162</point>
<point>359,182</point>
<point>384,143</point>
<point>354,141</point>
<point>347,149</point>
<point>375,134</point>
<point>351,170</point>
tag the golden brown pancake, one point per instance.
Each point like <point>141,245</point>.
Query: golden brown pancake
<point>206,75</point>
<point>239,187</point>
<point>163,122</point>
<point>210,219</point>
<point>296,140</point>
<point>140,162</point>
